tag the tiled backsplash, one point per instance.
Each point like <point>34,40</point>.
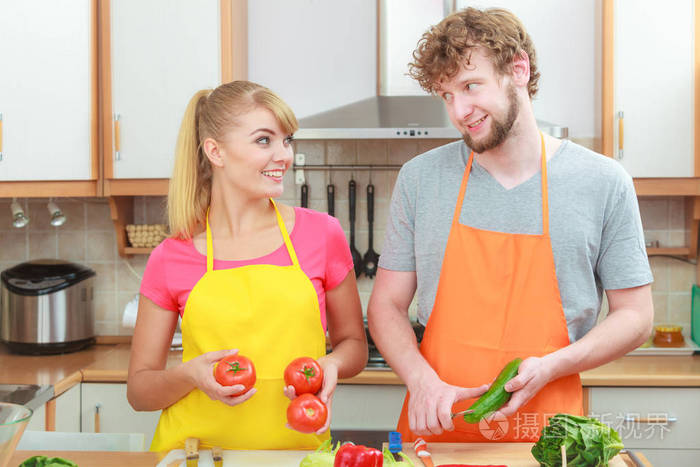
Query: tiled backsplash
<point>88,235</point>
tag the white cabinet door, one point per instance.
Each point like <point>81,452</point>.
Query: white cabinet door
<point>568,59</point>
<point>654,87</point>
<point>316,54</point>
<point>163,51</point>
<point>116,415</point>
<point>367,406</point>
<point>68,410</point>
<point>46,85</point>
<point>403,22</point>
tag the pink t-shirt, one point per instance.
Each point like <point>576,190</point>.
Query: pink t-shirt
<point>175,266</point>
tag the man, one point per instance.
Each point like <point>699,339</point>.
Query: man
<point>512,263</point>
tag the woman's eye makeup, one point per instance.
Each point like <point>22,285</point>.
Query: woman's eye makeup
<point>263,140</point>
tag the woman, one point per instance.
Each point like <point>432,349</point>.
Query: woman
<point>245,274</point>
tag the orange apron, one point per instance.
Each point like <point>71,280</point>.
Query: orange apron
<point>497,299</point>
<point>271,314</point>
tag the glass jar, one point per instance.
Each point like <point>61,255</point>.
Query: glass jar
<point>668,335</point>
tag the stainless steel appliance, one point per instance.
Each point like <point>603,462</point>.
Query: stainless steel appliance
<point>376,360</point>
<point>47,307</point>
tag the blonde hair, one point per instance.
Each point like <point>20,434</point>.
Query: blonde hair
<point>442,50</point>
<point>210,114</point>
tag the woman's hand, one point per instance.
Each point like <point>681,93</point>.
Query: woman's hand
<point>201,372</point>
<point>330,381</point>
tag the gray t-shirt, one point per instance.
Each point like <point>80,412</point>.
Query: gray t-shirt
<point>595,226</point>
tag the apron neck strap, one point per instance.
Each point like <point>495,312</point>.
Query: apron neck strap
<point>280,223</point>
<point>285,235</point>
<point>545,197</point>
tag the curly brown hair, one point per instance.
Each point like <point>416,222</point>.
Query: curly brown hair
<point>442,50</point>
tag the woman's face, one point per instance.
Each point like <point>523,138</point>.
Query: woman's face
<point>255,154</point>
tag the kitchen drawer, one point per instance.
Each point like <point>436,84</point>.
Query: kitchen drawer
<point>367,406</point>
<point>615,406</point>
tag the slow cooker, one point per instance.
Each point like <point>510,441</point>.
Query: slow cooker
<point>47,307</point>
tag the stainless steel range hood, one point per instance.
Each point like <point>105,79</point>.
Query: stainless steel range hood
<point>391,117</point>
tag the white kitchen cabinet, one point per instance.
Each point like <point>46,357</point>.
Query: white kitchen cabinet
<point>68,410</point>
<point>316,54</point>
<point>367,406</point>
<point>653,89</point>
<point>38,420</point>
<point>661,422</point>
<point>46,90</point>
<point>115,413</point>
<point>162,52</point>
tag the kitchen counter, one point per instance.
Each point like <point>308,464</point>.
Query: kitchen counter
<point>512,454</point>
<point>110,362</point>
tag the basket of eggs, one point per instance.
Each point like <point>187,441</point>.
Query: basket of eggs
<point>146,235</point>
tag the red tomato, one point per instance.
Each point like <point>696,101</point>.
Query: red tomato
<point>307,414</point>
<point>305,374</point>
<point>235,369</point>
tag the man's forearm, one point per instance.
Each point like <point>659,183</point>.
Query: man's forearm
<point>619,333</point>
<point>394,337</point>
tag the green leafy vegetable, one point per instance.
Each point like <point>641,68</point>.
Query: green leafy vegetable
<point>43,461</point>
<point>389,460</point>
<point>588,442</point>
<point>323,456</point>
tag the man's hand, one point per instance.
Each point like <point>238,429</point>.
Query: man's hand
<point>533,374</point>
<point>430,405</point>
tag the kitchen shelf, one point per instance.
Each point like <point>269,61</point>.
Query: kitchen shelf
<point>130,250</point>
<point>669,251</point>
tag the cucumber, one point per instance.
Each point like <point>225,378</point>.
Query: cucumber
<point>496,396</point>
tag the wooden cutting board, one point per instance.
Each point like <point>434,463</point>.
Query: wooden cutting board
<point>510,454</point>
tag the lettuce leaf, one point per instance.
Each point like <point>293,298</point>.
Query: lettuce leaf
<point>390,461</point>
<point>323,456</point>
<point>588,442</point>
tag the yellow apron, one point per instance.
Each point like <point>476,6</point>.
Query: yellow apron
<point>271,314</point>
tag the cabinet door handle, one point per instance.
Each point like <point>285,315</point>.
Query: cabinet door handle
<point>97,418</point>
<point>661,420</point>
<point>117,137</point>
<point>0,137</point>
<point>620,134</point>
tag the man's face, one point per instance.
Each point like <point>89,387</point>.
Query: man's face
<point>482,104</point>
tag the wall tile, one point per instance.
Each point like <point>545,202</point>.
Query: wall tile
<point>6,215</point>
<point>75,215</point>
<point>676,214</point>
<point>654,212</point>
<point>372,152</point>
<point>679,309</point>
<point>156,210</point>
<point>39,217</point>
<point>660,300</point>
<point>105,276</point>
<point>105,306</point>
<point>126,279</point>
<point>13,245</point>
<point>659,269</point>
<point>313,150</point>
<point>681,277</point>
<point>341,152</point>
<point>401,151</point>
<point>43,245</point>
<point>72,245</point>
<point>101,246</point>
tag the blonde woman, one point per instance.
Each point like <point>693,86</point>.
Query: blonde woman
<point>246,275</point>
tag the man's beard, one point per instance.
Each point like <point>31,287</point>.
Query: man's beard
<point>500,129</point>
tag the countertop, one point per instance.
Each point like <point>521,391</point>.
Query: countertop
<point>109,363</point>
<point>512,454</point>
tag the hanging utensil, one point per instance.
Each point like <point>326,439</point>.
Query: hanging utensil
<point>305,196</point>
<point>371,257</point>
<point>356,256</point>
<point>330,190</point>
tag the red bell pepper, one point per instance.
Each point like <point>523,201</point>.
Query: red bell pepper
<point>353,455</point>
